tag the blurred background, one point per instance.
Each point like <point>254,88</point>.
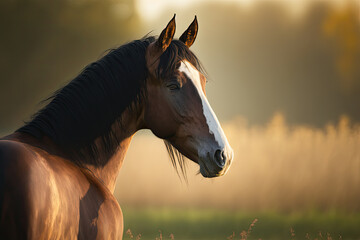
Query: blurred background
<point>284,80</point>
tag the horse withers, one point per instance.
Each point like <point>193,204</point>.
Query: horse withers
<point>58,171</point>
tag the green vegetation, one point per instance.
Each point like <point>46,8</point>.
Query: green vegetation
<point>189,224</point>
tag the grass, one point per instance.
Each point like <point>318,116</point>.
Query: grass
<point>276,166</point>
<point>185,223</point>
<point>288,169</point>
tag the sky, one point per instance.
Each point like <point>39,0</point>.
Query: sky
<point>150,10</point>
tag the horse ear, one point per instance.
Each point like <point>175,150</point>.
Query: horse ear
<point>188,37</point>
<point>166,35</point>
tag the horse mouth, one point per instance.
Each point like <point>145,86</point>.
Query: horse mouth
<point>213,172</point>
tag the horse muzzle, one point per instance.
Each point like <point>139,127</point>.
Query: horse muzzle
<point>216,163</point>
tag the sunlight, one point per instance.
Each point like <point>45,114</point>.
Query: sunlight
<point>150,10</point>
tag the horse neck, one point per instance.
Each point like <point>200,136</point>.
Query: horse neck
<point>107,174</point>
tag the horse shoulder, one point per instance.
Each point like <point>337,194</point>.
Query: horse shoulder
<point>39,193</point>
<point>14,193</point>
<point>43,196</point>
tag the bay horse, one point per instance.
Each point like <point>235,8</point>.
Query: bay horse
<point>58,171</point>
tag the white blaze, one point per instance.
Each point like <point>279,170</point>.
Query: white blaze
<point>211,119</point>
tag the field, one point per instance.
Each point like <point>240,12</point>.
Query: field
<point>190,224</point>
<point>298,177</point>
<point>276,166</point>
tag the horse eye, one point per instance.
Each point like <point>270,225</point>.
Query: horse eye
<point>173,86</point>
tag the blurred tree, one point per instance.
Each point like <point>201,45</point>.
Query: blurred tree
<point>343,25</point>
<point>263,59</point>
<point>44,44</point>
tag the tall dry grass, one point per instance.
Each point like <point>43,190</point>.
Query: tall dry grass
<point>276,166</point>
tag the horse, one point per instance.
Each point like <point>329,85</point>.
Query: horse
<point>58,171</point>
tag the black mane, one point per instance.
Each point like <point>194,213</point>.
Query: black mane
<point>87,107</point>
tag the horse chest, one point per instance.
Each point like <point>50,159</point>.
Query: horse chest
<point>99,220</point>
<point>46,197</point>
<point>75,207</point>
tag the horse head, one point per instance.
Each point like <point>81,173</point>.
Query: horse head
<point>177,109</point>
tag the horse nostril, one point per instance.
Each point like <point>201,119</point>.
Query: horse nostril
<point>220,158</point>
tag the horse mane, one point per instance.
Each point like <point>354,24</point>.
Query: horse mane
<point>87,107</point>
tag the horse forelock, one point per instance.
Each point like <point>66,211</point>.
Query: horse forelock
<point>173,55</point>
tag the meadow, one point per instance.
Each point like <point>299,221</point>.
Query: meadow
<point>276,166</point>
<point>298,177</point>
<point>191,224</point>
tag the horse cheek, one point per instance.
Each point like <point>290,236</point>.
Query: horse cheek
<point>158,117</point>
